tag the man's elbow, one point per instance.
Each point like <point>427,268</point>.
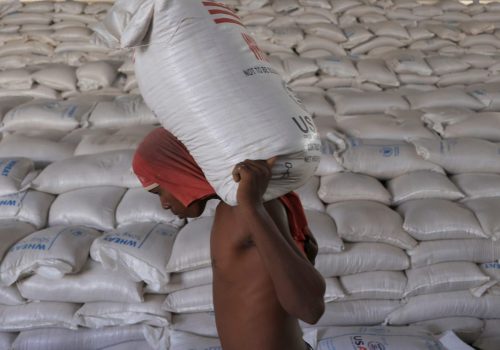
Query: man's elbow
<point>313,312</point>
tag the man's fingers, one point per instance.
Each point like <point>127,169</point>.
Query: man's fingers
<point>270,162</point>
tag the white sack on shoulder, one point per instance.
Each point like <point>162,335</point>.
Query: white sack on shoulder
<point>324,230</point>
<point>431,219</point>
<point>461,155</point>
<point>104,314</point>
<point>444,277</point>
<point>37,315</point>
<point>195,299</point>
<point>142,251</point>
<point>104,169</point>
<point>368,221</point>
<point>139,205</point>
<point>191,248</point>
<point>351,186</point>
<point>12,173</point>
<point>383,159</point>
<point>362,257</point>
<point>237,71</point>
<point>91,206</point>
<point>478,185</point>
<point>422,184</point>
<point>93,283</point>
<point>445,250</point>
<point>52,253</point>
<point>28,206</point>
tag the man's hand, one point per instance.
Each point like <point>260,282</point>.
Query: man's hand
<point>253,177</point>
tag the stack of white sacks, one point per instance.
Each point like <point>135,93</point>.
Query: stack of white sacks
<point>404,204</point>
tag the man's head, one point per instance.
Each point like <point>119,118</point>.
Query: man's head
<point>165,167</point>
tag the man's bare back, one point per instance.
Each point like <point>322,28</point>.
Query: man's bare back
<point>249,315</point>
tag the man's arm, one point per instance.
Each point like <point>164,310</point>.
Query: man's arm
<point>299,286</point>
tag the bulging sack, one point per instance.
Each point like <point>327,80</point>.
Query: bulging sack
<point>234,104</point>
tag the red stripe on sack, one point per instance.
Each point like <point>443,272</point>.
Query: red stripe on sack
<point>252,45</point>
<point>216,4</point>
<point>228,20</point>
<point>223,12</point>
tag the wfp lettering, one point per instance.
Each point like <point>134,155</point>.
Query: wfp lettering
<point>118,240</point>
<point>8,167</point>
<point>305,124</point>
<point>8,203</point>
<point>359,344</point>
<point>28,246</point>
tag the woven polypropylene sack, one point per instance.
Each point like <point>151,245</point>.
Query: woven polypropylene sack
<point>234,104</point>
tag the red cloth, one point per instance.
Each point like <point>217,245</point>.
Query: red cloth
<point>161,159</point>
<point>297,220</point>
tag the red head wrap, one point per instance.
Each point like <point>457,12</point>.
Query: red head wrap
<point>162,160</point>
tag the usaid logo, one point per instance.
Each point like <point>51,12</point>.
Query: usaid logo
<point>359,344</point>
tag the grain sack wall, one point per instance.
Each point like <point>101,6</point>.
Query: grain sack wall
<point>404,204</point>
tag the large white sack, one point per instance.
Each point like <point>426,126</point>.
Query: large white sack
<point>431,219</point>
<point>139,205</point>
<point>355,313</point>
<point>383,159</point>
<point>199,323</point>
<point>92,283</point>
<point>448,304</point>
<point>183,340</point>
<point>95,75</point>
<point>370,47</point>
<point>467,328</point>
<point>69,7</point>
<point>29,206</point>
<point>123,111</point>
<point>37,315</point>
<point>308,194</point>
<point>439,117</point>
<point>104,169</point>
<point>48,114</point>
<point>488,94</point>
<point>391,29</point>
<point>334,290</point>
<point>316,104</point>
<point>461,155</point>
<point>191,248</point>
<point>52,252</point>
<point>351,186</point>
<point>382,337</point>
<point>39,149</point>
<point>443,277</point>
<point>483,125</point>
<point>26,18</point>
<point>195,299</point>
<point>92,206</point>
<point>142,251</point>
<point>377,72</point>
<point>341,67</point>
<point>12,231</point>
<point>104,313</point>
<point>16,79</point>
<point>324,230</point>
<point>12,173</point>
<point>362,257</point>
<point>471,76</point>
<point>354,102</point>
<point>58,77</point>
<point>489,338</point>
<point>21,48</point>
<point>421,185</point>
<point>446,97</point>
<point>312,43</point>
<point>356,34</point>
<point>81,339</point>
<point>474,250</point>
<point>276,116</point>
<point>38,92</point>
<point>188,279</point>
<point>374,285</point>
<point>486,211</point>
<point>369,221</point>
<point>383,127</point>
<point>478,185</point>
